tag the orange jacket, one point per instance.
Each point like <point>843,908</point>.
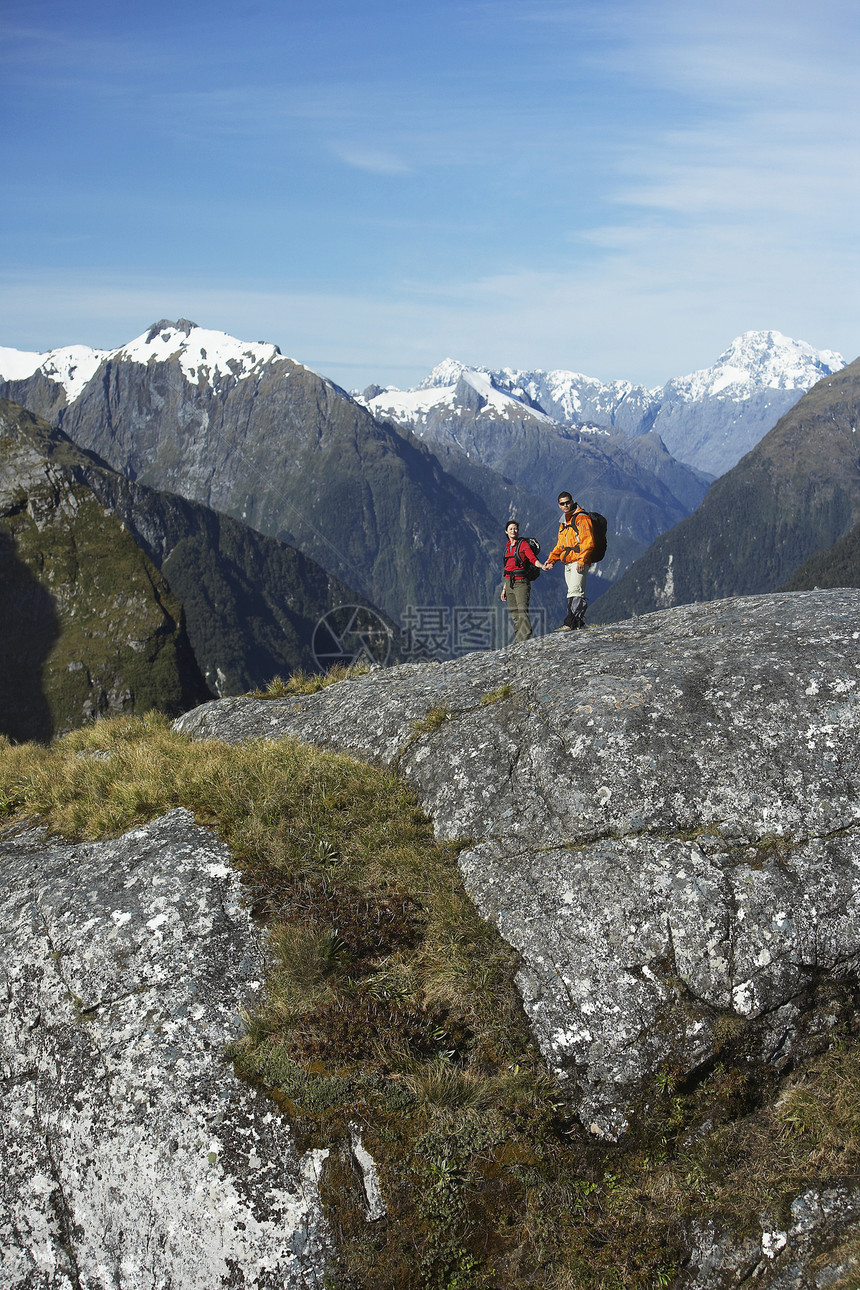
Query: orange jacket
<point>575,541</point>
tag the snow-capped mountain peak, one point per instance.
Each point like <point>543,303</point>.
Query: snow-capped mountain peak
<point>452,386</point>
<point>202,354</point>
<point>758,360</point>
<point>708,418</point>
<point>72,367</point>
<point>199,351</point>
<point>444,374</point>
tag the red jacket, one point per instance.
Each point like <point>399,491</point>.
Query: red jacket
<point>512,569</point>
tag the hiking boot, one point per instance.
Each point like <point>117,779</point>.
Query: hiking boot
<point>565,627</point>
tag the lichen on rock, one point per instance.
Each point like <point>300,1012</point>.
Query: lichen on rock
<point>132,1155</point>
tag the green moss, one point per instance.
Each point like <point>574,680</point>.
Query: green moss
<point>495,696</point>
<point>434,720</point>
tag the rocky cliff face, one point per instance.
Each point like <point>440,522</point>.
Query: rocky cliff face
<point>132,1156</point>
<point>251,603</point>
<point>89,625</point>
<point>663,820</point>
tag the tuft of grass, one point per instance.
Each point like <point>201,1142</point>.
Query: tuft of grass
<point>495,696</point>
<point>301,682</point>
<point>389,1002</point>
<point>433,720</point>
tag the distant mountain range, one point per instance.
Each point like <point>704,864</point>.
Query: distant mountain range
<point>794,498</point>
<point>476,423</point>
<point>708,419</point>
<point>408,523</point>
<point>403,495</point>
<point>263,439</point>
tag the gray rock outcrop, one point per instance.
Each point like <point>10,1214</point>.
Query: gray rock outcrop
<point>132,1156</point>
<point>662,818</point>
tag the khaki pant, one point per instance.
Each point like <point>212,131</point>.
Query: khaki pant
<point>574,580</point>
<point>517,595</point>
<point>576,602</point>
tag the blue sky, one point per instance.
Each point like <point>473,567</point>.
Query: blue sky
<point>618,188</point>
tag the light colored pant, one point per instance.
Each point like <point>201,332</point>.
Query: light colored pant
<point>574,580</point>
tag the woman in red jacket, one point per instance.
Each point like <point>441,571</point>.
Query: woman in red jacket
<point>517,588</point>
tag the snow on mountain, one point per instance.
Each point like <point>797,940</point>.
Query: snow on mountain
<point>450,387</point>
<point>556,396</point>
<point>574,397</point>
<point>713,417</point>
<point>447,373</point>
<point>203,355</point>
<point>755,361</point>
<point>71,367</point>
<point>708,418</point>
<point>758,360</point>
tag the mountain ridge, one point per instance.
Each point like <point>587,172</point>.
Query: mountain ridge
<point>764,366</point>
<point>366,486</point>
<point>762,371</point>
<point>254,435</point>
<point>266,441</point>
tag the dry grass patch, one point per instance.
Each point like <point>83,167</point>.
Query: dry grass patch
<point>310,682</point>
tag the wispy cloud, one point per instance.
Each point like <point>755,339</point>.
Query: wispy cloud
<point>378,161</point>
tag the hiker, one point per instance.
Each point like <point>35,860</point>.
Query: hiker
<point>574,549</point>
<point>517,587</point>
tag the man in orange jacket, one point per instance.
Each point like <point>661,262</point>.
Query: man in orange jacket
<point>573,548</point>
